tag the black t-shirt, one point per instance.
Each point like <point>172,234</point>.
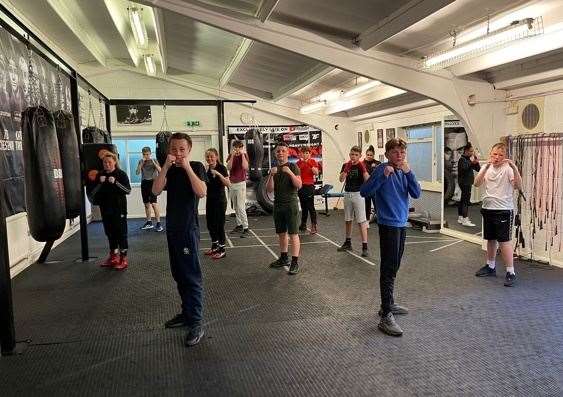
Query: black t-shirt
<point>354,179</point>
<point>371,165</point>
<point>181,201</point>
<point>215,188</point>
<point>111,196</point>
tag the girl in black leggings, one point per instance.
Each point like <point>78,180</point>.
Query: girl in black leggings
<point>112,184</point>
<point>216,204</point>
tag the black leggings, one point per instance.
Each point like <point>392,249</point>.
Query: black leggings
<point>215,217</point>
<point>115,227</point>
<point>463,205</point>
<point>391,246</point>
<point>307,201</point>
<point>369,201</point>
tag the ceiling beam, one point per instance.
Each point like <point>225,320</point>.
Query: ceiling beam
<point>265,9</point>
<point>241,52</point>
<point>253,91</point>
<point>73,16</point>
<point>161,38</point>
<point>407,15</point>
<point>302,81</point>
<point>396,109</point>
<point>379,94</point>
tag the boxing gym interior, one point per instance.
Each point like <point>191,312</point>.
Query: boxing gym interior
<point>281,198</point>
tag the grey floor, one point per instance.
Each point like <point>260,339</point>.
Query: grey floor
<point>474,214</point>
<point>100,332</point>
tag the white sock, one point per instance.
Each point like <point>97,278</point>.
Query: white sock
<point>491,263</point>
<point>510,270</point>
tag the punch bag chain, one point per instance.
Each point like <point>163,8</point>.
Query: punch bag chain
<point>33,91</point>
<point>164,125</point>
<point>90,111</point>
<point>102,118</point>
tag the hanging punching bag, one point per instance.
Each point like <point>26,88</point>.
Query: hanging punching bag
<point>255,150</point>
<point>162,139</point>
<point>44,189</point>
<point>70,162</point>
<point>94,135</point>
<point>92,155</point>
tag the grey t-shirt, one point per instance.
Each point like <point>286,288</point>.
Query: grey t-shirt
<point>148,170</point>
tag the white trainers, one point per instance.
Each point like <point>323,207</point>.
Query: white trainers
<point>460,219</point>
<point>467,222</point>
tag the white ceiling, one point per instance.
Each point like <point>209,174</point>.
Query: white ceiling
<point>92,35</point>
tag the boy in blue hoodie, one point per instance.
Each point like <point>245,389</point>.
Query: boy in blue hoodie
<point>391,183</point>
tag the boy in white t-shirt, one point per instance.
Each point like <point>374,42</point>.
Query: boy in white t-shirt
<point>500,176</point>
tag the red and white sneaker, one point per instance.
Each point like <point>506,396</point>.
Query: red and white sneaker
<point>210,251</point>
<point>123,263</point>
<point>111,261</point>
<point>219,254</point>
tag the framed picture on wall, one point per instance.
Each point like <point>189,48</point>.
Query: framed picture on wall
<point>133,114</point>
<point>380,138</point>
<point>360,139</point>
<point>390,132</point>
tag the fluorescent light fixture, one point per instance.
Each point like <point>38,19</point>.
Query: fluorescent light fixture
<point>150,65</point>
<point>496,39</point>
<point>312,107</point>
<point>361,88</point>
<point>137,26</point>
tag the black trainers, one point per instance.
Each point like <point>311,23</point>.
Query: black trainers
<point>486,271</point>
<point>236,230</point>
<point>303,227</point>
<point>294,268</point>
<point>388,326</point>
<point>509,280</point>
<point>158,227</point>
<point>365,252</point>
<point>245,233</point>
<point>396,310</point>
<point>280,262</point>
<point>347,246</point>
<point>176,321</point>
<point>194,336</point>
<point>148,225</point>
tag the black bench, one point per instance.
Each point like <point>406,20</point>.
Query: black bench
<point>325,192</point>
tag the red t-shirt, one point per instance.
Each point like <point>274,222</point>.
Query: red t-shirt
<point>238,174</point>
<point>307,176</point>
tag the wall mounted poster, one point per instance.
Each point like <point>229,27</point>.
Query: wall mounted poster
<point>380,138</point>
<point>390,132</point>
<point>47,88</point>
<point>296,137</point>
<point>133,114</point>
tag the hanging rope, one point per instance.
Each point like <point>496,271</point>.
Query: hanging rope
<point>102,121</point>
<point>538,157</point>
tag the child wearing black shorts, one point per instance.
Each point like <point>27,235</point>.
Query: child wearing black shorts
<point>285,180</point>
<point>499,176</point>
<point>149,169</point>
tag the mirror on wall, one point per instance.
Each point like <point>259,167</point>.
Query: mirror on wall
<point>462,200</point>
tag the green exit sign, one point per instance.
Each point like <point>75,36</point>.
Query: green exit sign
<point>192,123</point>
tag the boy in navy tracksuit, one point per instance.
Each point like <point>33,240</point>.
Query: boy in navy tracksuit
<point>185,182</point>
<point>391,183</point>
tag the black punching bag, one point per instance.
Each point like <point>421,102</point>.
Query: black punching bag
<point>70,162</point>
<point>162,139</point>
<point>255,150</point>
<point>95,135</point>
<point>44,189</point>
<point>92,155</point>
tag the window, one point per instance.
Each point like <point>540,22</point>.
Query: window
<point>424,151</point>
<point>129,150</point>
